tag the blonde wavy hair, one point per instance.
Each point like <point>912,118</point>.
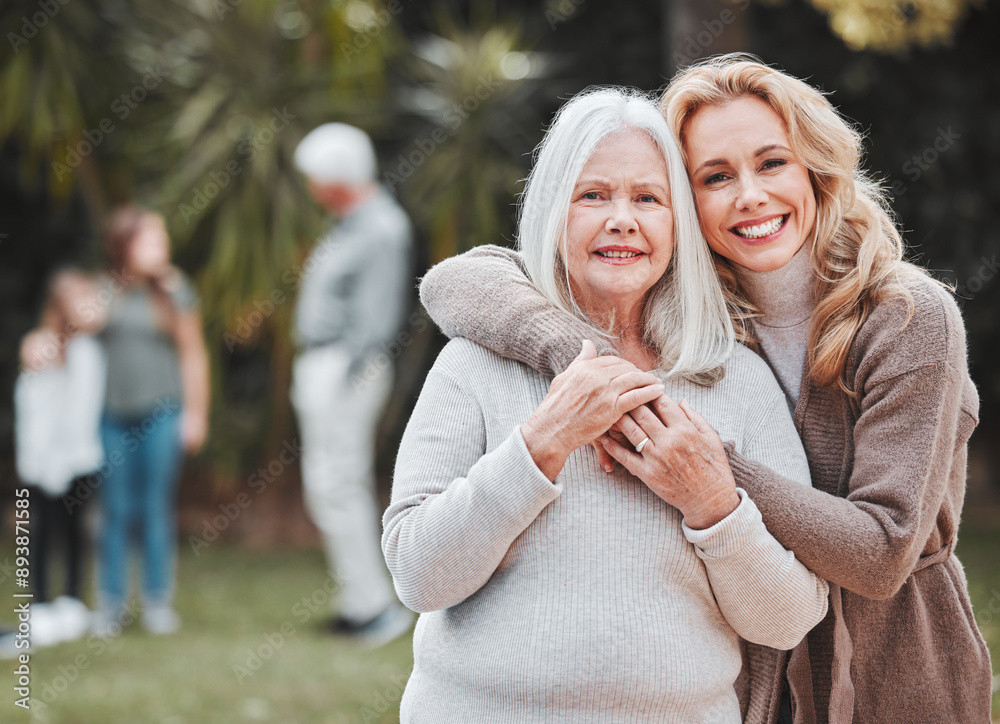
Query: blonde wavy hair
<point>856,248</point>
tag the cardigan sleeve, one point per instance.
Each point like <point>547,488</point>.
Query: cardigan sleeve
<point>485,295</point>
<point>456,508</point>
<point>913,424</point>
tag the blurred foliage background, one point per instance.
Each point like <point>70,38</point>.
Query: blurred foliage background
<point>195,106</point>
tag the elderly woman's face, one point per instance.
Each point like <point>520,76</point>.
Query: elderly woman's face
<point>619,237</point>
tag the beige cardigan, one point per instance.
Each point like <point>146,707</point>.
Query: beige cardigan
<point>900,644</point>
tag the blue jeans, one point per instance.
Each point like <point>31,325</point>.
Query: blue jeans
<point>144,455</point>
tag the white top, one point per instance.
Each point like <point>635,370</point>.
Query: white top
<point>586,600</point>
<point>57,415</point>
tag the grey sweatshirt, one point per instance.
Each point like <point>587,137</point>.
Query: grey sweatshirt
<point>586,599</point>
<point>356,281</point>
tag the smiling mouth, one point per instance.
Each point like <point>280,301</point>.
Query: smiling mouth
<point>617,254</point>
<point>759,231</point>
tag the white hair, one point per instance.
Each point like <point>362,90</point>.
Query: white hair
<point>336,153</point>
<point>685,317</point>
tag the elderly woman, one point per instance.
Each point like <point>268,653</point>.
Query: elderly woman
<point>871,354</point>
<point>550,591</point>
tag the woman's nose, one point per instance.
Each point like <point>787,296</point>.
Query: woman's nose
<point>751,194</point>
<point>621,219</point>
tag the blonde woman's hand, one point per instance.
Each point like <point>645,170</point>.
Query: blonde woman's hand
<point>582,403</point>
<point>683,461</point>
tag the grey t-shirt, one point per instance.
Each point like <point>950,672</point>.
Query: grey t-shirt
<point>357,279</point>
<point>143,366</point>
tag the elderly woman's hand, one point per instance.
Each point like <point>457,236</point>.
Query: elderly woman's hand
<point>583,403</point>
<point>682,461</point>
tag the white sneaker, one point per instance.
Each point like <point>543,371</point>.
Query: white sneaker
<point>389,626</point>
<point>46,625</point>
<point>161,620</point>
<point>74,617</point>
<point>104,623</point>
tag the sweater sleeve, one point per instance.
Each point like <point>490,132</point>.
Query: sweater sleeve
<point>766,595</point>
<point>456,508</point>
<point>912,421</point>
<point>485,295</point>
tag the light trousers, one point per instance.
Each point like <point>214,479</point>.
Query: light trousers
<point>337,418</point>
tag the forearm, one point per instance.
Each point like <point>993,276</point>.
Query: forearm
<point>842,542</point>
<point>193,361</point>
<point>485,296</point>
<point>442,547</point>
<point>765,594</point>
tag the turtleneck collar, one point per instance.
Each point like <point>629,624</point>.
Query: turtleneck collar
<point>784,296</point>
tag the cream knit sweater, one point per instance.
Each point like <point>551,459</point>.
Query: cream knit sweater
<point>586,600</point>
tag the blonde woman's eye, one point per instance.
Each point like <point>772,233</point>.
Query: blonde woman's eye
<point>774,163</point>
<point>715,178</point>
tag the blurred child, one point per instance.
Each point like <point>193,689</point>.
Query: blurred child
<point>58,399</point>
<point>156,409</point>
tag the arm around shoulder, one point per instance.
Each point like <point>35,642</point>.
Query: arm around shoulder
<point>916,410</point>
<point>485,295</point>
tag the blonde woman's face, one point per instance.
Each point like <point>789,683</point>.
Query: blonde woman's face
<point>755,201</point>
<point>619,233</point>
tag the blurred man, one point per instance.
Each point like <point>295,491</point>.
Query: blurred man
<point>352,302</point>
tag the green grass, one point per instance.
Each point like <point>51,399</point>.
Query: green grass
<point>979,550</point>
<point>240,609</point>
<point>233,600</point>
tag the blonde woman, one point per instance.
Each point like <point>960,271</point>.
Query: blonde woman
<point>549,591</point>
<point>871,355</point>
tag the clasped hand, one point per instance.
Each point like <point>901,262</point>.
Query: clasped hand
<point>583,402</point>
<point>683,461</point>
